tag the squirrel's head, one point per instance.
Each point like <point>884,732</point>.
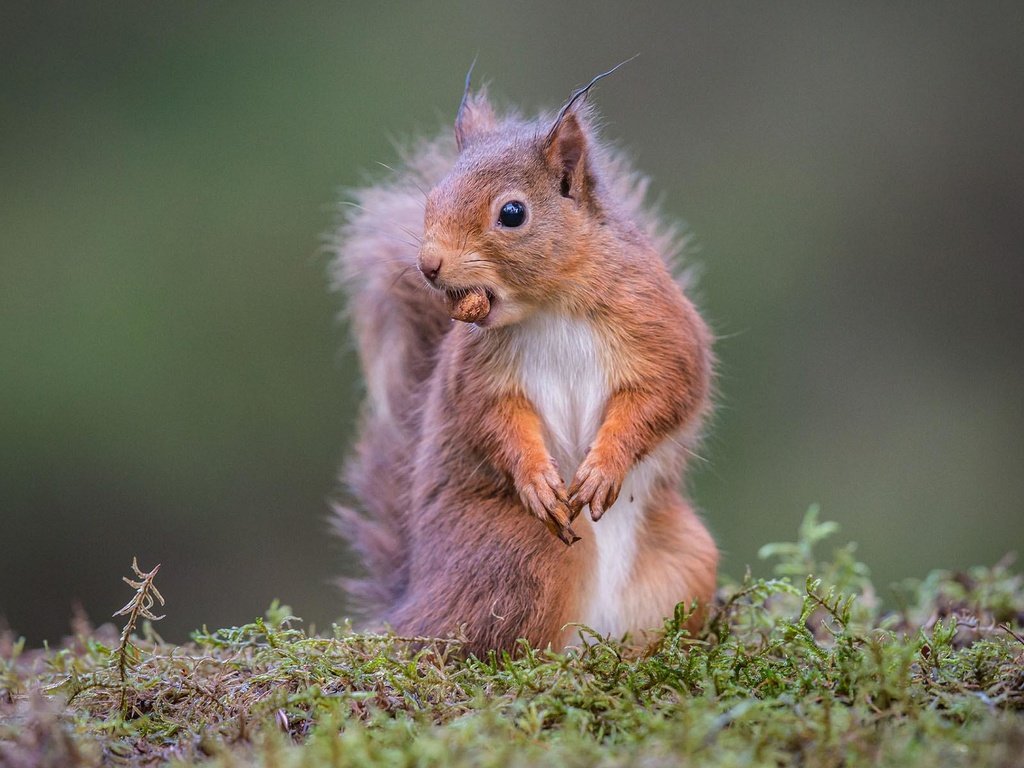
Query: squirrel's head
<point>514,215</point>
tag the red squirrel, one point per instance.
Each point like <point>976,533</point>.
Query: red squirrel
<point>528,354</point>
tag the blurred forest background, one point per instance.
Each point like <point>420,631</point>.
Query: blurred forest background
<point>174,382</point>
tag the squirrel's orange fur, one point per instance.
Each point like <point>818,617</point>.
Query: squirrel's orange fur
<point>585,385</point>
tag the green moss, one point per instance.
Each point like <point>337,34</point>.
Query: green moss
<point>784,673</point>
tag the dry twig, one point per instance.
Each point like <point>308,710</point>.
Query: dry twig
<point>141,605</point>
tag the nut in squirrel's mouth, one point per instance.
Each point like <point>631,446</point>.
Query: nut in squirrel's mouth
<point>469,305</point>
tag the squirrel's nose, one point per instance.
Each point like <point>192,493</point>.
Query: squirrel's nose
<point>430,265</point>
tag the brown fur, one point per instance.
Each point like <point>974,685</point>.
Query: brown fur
<point>453,464</point>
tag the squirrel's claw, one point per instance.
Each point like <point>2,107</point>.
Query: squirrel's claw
<point>547,500</point>
<point>593,486</point>
<point>564,533</point>
<point>557,521</point>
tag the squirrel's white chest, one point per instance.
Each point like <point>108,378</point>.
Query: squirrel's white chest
<point>562,371</point>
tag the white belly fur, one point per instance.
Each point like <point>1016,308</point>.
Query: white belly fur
<point>561,369</point>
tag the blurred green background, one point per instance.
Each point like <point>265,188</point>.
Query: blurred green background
<point>175,383</point>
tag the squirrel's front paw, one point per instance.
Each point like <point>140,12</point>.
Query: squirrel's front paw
<point>544,495</point>
<point>596,484</point>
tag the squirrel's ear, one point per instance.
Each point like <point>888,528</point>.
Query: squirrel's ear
<point>566,148</point>
<point>567,142</point>
<point>475,116</point>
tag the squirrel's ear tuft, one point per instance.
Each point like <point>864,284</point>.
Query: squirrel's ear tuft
<point>476,116</point>
<point>566,144</point>
<point>566,148</point>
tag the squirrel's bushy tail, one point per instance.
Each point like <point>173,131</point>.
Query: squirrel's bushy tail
<point>397,323</point>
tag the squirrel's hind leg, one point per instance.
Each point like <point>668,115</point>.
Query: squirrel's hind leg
<point>676,561</point>
<point>493,573</point>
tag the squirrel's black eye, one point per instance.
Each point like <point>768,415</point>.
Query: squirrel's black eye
<point>513,213</point>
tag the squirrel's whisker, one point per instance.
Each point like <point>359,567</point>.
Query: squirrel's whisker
<point>409,178</point>
<point>415,236</point>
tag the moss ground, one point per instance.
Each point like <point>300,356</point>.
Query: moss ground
<point>807,668</point>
